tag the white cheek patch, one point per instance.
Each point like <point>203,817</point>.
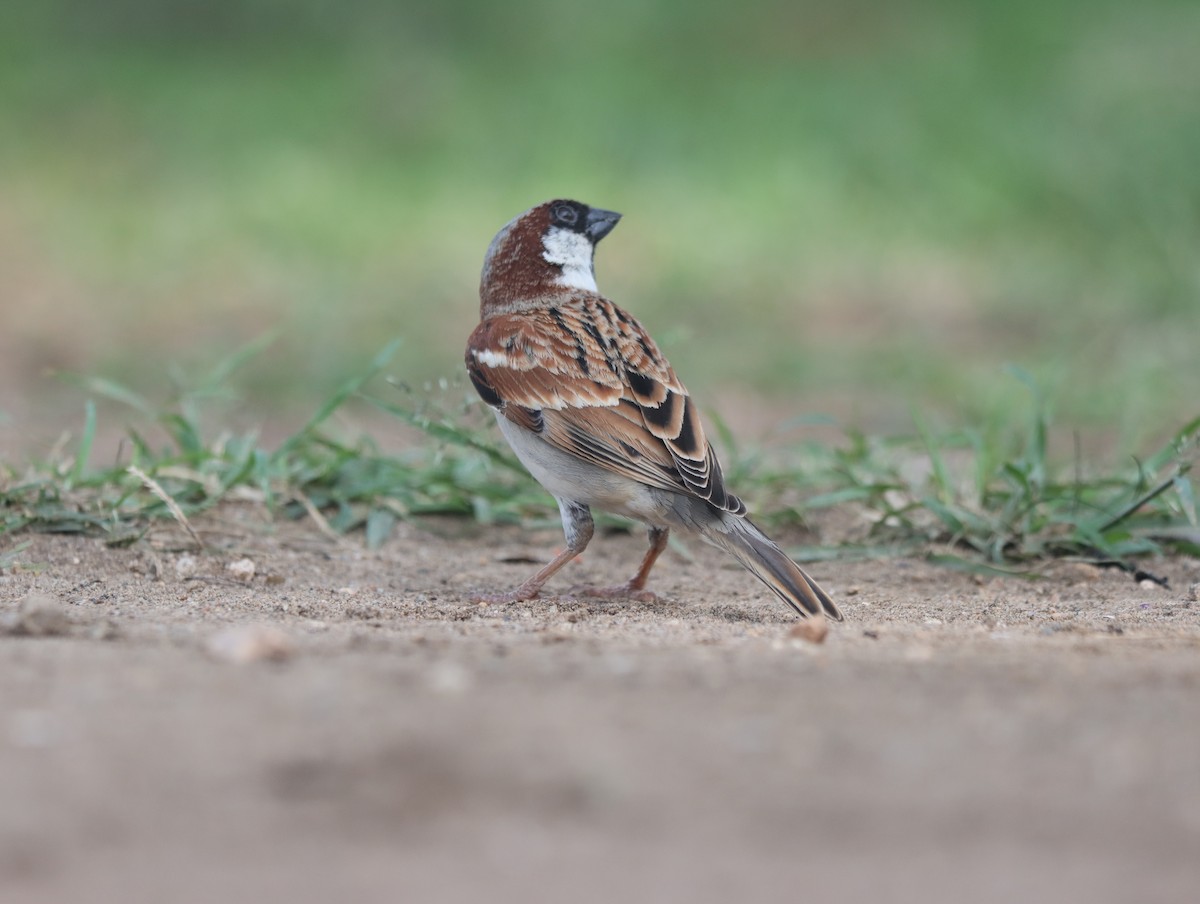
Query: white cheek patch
<point>572,252</point>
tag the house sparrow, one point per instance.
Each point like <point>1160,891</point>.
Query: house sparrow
<point>592,408</point>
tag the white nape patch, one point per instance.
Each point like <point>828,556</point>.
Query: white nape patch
<point>489,358</point>
<point>573,252</point>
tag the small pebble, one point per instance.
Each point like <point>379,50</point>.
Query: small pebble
<point>242,569</point>
<point>185,566</point>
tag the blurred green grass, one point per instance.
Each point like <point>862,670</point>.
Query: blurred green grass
<point>853,204</point>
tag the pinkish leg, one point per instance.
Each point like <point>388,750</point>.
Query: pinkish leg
<point>635,587</point>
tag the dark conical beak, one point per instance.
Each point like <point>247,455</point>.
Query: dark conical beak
<point>600,223</point>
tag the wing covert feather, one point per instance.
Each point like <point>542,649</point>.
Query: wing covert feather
<point>604,391</point>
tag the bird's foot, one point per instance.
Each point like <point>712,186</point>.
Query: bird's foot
<point>626,591</point>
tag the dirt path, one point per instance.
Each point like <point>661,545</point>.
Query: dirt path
<point>388,740</point>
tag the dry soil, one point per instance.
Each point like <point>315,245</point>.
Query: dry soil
<point>288,717</point>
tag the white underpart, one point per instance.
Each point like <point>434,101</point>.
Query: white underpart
<point>573,252</point>
<point>569,477</point>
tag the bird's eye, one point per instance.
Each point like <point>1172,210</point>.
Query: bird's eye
<point>566,215</point>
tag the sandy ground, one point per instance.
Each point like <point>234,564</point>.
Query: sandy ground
<point>346,725</point>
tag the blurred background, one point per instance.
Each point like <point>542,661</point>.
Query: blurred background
<point>831,206</point>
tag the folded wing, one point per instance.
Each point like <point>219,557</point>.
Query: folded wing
<point>588,379</point>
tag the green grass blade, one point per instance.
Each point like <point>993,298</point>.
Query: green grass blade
<point>344,392</point>
<point>218,376</point>
<point>380,523</point>
<point>1123,513</point>
<point>941,474</point>
<point>1187,499</point>
<point>110,389</point>
<point>85,442</point>
<point>448,433</point>
<point>1179,443</point>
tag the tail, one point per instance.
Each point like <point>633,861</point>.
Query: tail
<point>758,553</point>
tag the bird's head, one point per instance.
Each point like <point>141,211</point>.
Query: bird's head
<point>545,251</point>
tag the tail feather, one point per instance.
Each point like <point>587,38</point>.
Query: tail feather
<point>771,565</point>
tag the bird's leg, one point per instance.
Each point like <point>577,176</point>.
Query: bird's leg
<point>635,587</point>
<point>577,528</point>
